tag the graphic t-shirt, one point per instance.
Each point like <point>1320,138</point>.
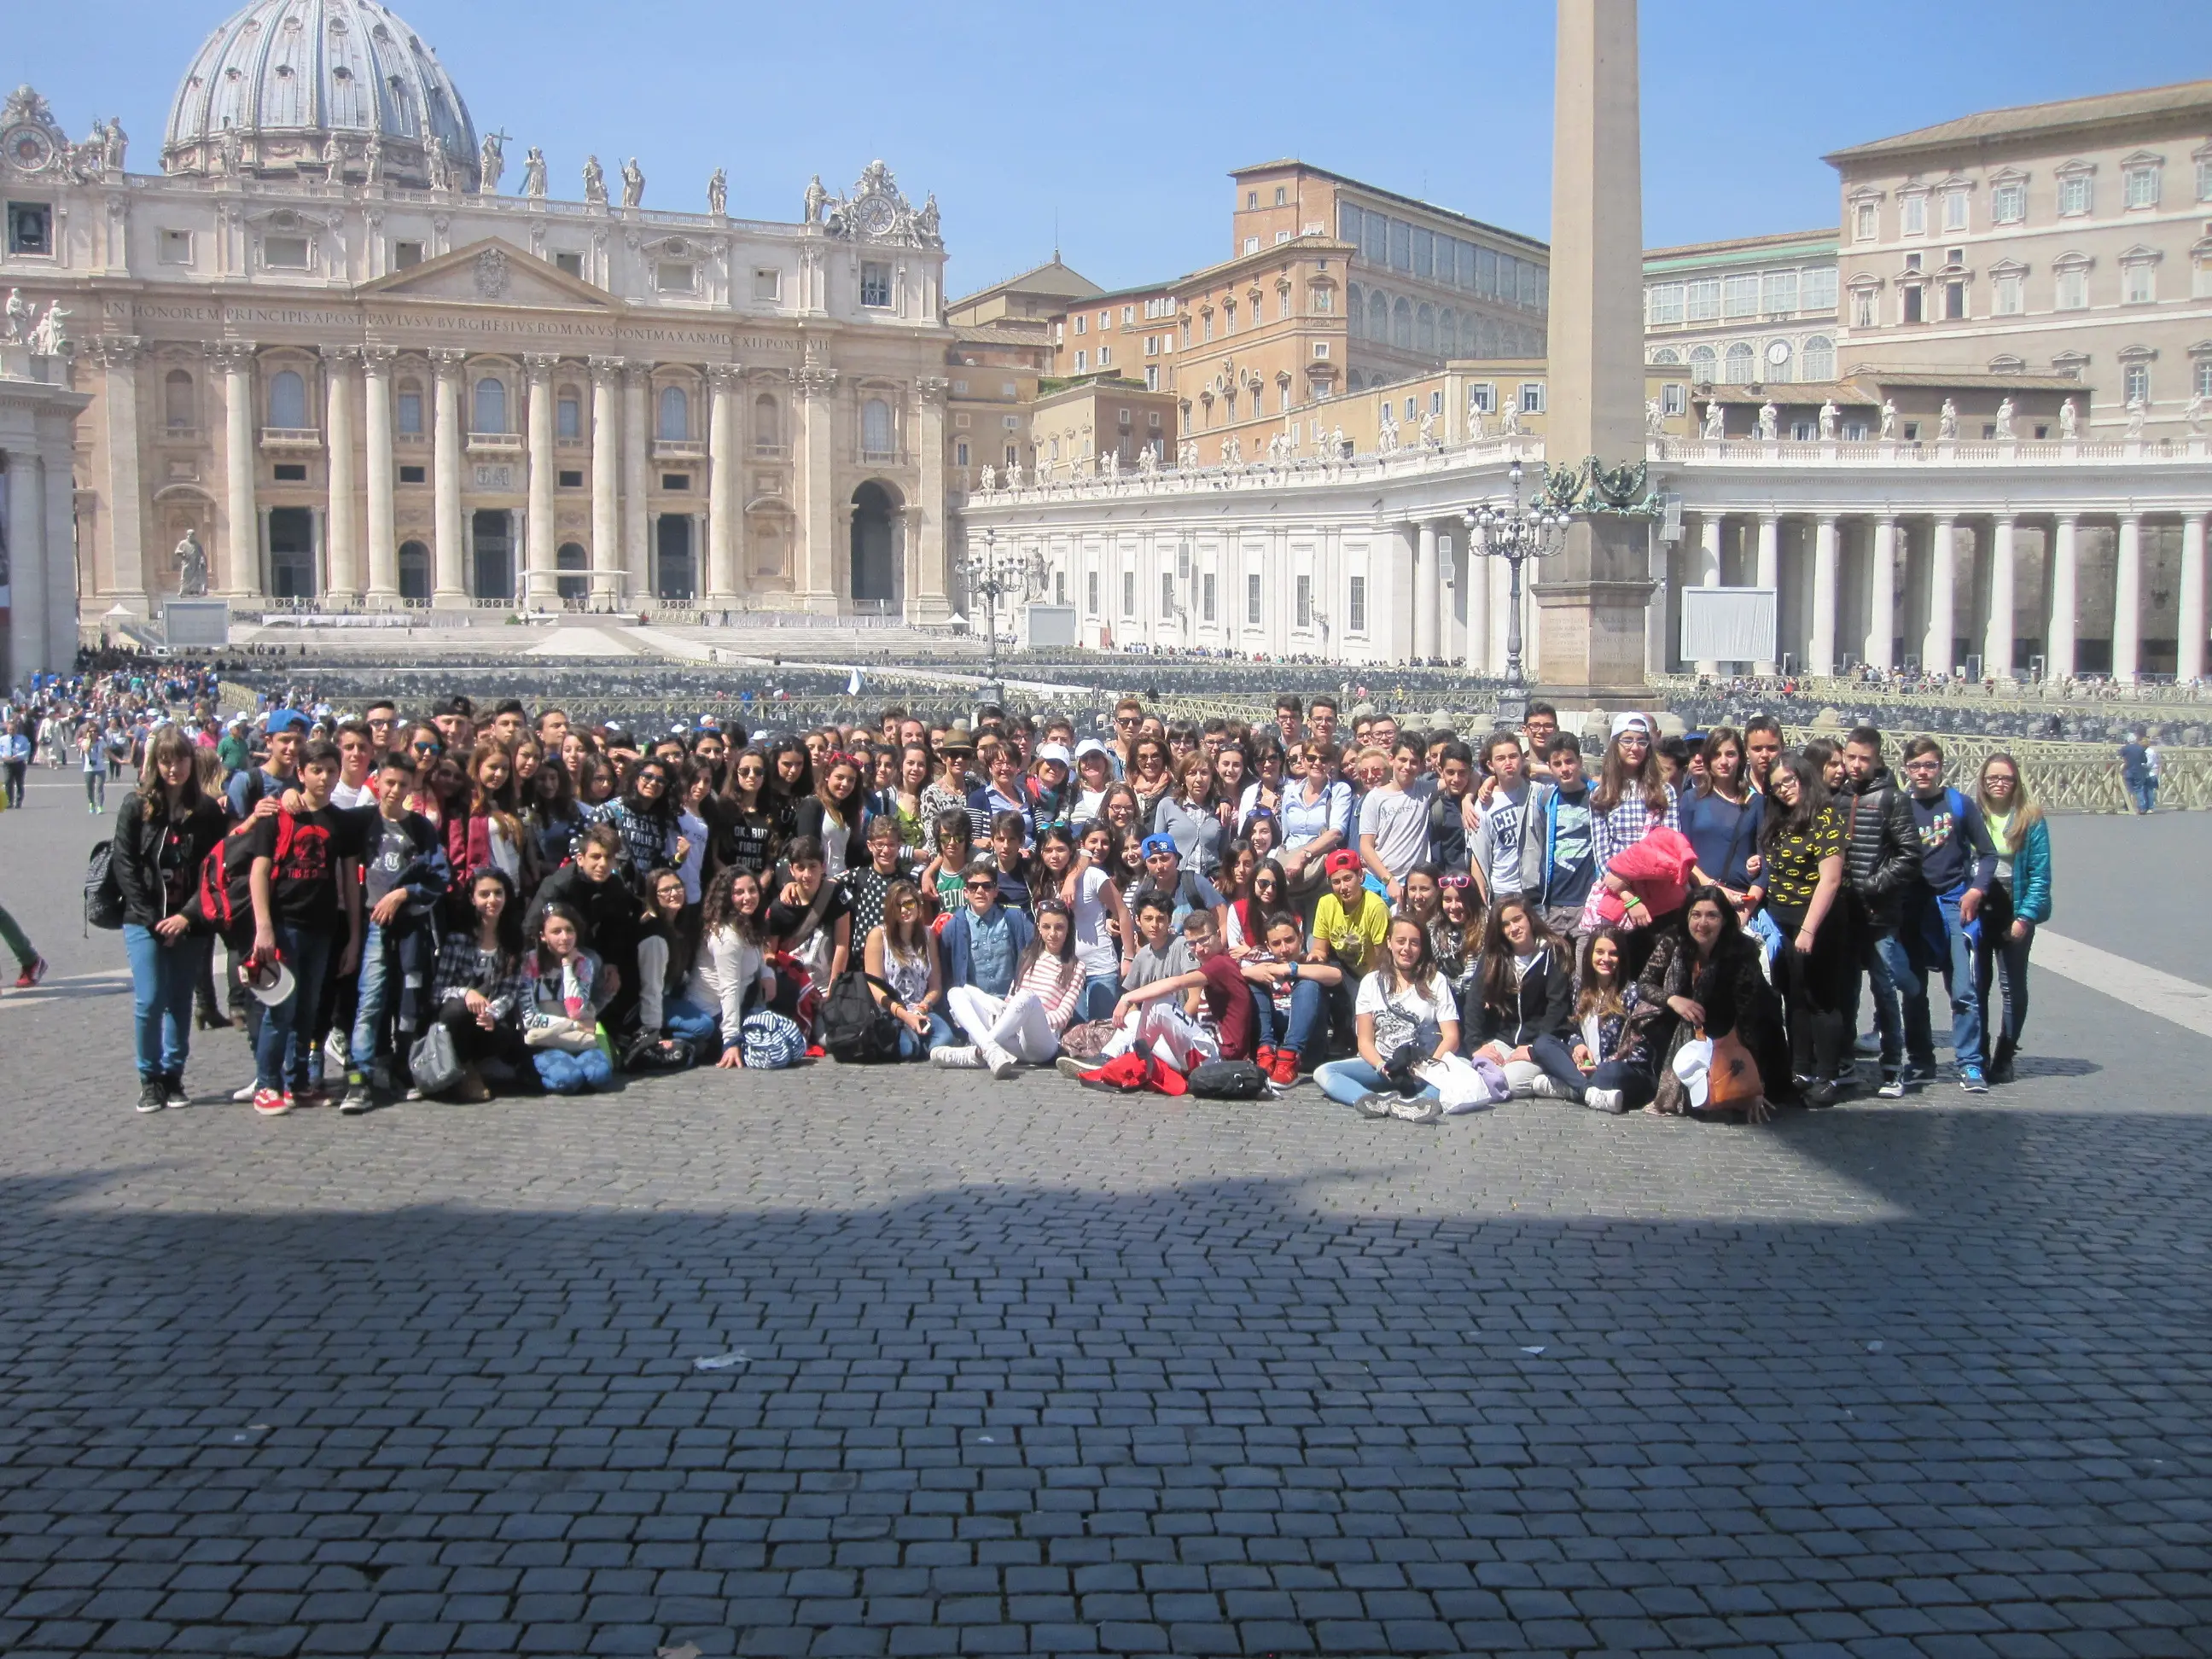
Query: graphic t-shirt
<point>1507,818</point>
<point>1792,869</point>
<point>304,882</point>
<point>395,850</point>
<point>1573,869</point>
<point>1400,1013</point>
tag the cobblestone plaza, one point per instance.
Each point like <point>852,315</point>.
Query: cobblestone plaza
<point>1012,1368</point>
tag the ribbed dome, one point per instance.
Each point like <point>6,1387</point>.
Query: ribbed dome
<point>339,84</point>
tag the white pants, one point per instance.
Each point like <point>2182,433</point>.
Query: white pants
<point>1161,1029</point>
<point>652,975</point>
<point>1017,1023</point>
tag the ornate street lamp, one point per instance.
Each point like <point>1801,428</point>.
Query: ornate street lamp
<point>994,578</point>
<point>1516,533</point>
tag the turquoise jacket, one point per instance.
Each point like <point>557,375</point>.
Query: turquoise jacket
<point>2031,874</point>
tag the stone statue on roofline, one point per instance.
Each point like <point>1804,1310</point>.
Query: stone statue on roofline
<point>2069,421</point>
<point>2004,421</point>
<point>718,194</point>
<point>1829,416</point>
<point>1947,423</point>
<point>1715,420</point>
<point>595,182</point>
<point>1888,420</point>
<point>633,178</point>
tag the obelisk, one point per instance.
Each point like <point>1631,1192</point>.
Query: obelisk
<point>1591,597</point>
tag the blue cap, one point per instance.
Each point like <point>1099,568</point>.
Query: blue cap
<point>1152,844</point>
<point>284,720</point>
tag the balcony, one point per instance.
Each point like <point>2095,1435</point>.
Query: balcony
<point>679,449</point>
<point>767,451</point>
<point>883,457</point>
<point>291,438</point>
<point>495,443</point>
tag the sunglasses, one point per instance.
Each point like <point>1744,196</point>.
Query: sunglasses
<point>1455,882</point>
<point>429,748</point>
<point>982,886</point>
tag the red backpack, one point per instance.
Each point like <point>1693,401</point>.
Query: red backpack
<point>226,894</point>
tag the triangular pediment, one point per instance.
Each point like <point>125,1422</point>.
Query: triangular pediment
<point>491,272</point>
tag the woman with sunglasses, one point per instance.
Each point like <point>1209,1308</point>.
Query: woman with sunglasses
<point>1317,815</point>
<point>426,745</point>
<point>2016,903</point>
<point>1254,892</point>
<point>1150,778</point>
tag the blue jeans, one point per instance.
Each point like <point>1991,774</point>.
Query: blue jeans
<point>378,964</point>
<point>1308,1004</point>
<point>1344,1080</point>
<point>941,1036</point>
<point>1099,995</point>
<point>162,981</point>
<point>697,1026</point>
<point>281,1054</point>
<point>571,1074</point>
<point>1638,1086</point>
<point>1931,938</point>
<point>2143,793</point>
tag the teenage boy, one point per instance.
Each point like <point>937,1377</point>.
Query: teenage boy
<point>284,730</point>
<point>1321,720</point>
<point>357,757</point>
<point>1882,860</point>
<point>1152,1017</point>
<point>1287,722</point>
<point>379,717</point>
<point>1538,728</point>
<point>1128,716</point>
<point>1290,999</point>
<point>405,873</point>
<point>1506,857</point>
<point>1351,925</point>
<point>1186,889</point>
<point>1160,953</point>
<point>304,886</point>
<point>1762,747</point>
<point>982,945</point>
<point>1568,853</point>
<point>1448,805</point>
<point>507,721</point>
<point>1957,863</point>
<point>552,729</point>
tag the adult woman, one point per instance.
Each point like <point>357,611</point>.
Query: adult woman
<point>1188,816</point>
<point>1316,814</point>
<point>645,816</point>
<point>1703,978</point>
<point>1721,815</point>
<point>1003,789</point>
<point>1023,1026</point>
<point>831,815</point>
<point>479,987</point>
<point>1522,989</point>
<point>902,952</point>
<point>1801,843</point>
<point>730,972</point>
<point>950,792</point>
<point>744,825</point>
<point>1404,1004</point>
<point>1263,790</point>
<point>1150,777</point>
<point>1604,1063</point>
<point>167,827</point>
<point>2017,903</point>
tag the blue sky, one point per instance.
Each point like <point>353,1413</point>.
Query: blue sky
<point>1119,124</point>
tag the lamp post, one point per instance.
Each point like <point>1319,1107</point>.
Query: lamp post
<point>1516,533</point>
<point>995,578</point>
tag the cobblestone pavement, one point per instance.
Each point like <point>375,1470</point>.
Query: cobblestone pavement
<point>1015,1368</point>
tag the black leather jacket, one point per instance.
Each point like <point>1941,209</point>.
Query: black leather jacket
<point>141,848</point>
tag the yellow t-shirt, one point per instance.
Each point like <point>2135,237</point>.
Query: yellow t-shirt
<point>1357,942</point>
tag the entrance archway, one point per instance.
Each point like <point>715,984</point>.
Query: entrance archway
<point>414,572</point>
<point>672,542</point>
<point>491,539</point>
<point>575,589</point>
<point>875,548</point>
<point>291,553</point>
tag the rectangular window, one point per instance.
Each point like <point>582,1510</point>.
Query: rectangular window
<point>1866,220</point>
<point>1954,301</point>
<point>1863,304</point>
<point>291,472</point>
<point>1424,255</point>
<point>410,408</point>
<point>1914,305</point>
<point>768,285</point>
<point>1105,356</point>
<point>1151,377</point>
<point>1347,223</point>
<point>1205,597</point>
<point>1673,398</point>
<point>1485,272</point>
<point>1532,397</point>
<point>1779,293</point>
<point>1665,302</point>
<point>405,256</point>
<point>1701,300</point>
<point>2139,284</point>
<point>1401,246</point>
<point>1321,347</point>
<point>875,285</point>
<point>2073,198</point>
<point>675,481</point>
<point>568,418</point>
<point>676,276</point>
<point>1251,244</point>
<point>2073,289</point>
<point>1252,599</point>
<point>1082,361</point>
<point>1739,296</point>
<point>414,475</point>
<point>2009,295</point>
<point>571,264</point>
<point>2141,186</point>
<point>31,227</point>
<point>1128,316</point>
<point>176,247</point>
<point>2204,179</point>
<point>2200,278</point>
<point>2135,381</point>
<point>1818,292</point>
<point>1305,618</point>
<point>2205,377</point>
<point>570,478</point>
<point>1355,606</point>
<point>1129,594</point>
<point>1483,395</point>
<point>1167,596</point>
<point>1090,594</point>
<point>284,253</point>
<point>1914,212</point>
<point>2008,203</point>
<point>1954,210</point>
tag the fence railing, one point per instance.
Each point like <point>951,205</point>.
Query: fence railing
<point>2148,698</point>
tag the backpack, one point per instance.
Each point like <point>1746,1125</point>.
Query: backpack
<point>772,1042</point>
<point>1228,1079</point>
<point>103,894</point>
<point>226,896</point>
<point>853,1027</point>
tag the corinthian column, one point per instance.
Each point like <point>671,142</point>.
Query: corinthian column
<point>725,484</point>
<point>450,587</point>
<point>345,476</point>
<point>241,572</point>
<point>636,459</point>
<point>925,600</point>
<point>819,519</point>
<point>118,356</point>
<point>383,544</point>
<point>606,480</point>
<point>542,537</point>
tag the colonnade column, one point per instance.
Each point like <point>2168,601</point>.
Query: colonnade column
<point>724,487</point>
<point>1996,643</point>
<point>1426,589</point>
<point>635,461</point>
<point>1478,659</point>
<point>383,544</point>
<point>2189,661</point>
<point>28,651</point>
<point>1942,598</point>
<point>345,477</point>
<point>543,532</point>
<point>1768,574</point>
<point>449,586</point>
<point>2127,601</point>
<point>925,551</point>
<point>241,572</point>
<point>1709,570</point>
<point>606,481</point>
<point>2065,586</point>
<point>1821,648</point>
<point>1882,647</point>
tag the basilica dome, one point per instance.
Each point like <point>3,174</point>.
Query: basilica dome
<point>324,89</point>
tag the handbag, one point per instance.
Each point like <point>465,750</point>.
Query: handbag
<point>434,1062</point>
<point>1087,1040</point>
<point>1228,1079</point>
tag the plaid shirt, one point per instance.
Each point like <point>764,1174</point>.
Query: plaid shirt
<point>1627,825</point>
<point>460,967</point>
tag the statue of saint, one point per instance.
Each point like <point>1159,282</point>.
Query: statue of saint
<point>595,182</point>
<point>926,223</point>
<point>2194,414</point>
<point>2069,421</point>
<point>1829,415</point>
<point>1477,428</point>
<point>816,198</point>
<point>718,194</point>
<point>633,179</point>
<point>1655,418</point>
<point>534,173</point>
<point>2004,421</point>
<point>47,339</point>
<point>1947,423</point>
<point>491,163</point>
<point>1888,421</point>
<point>191,567</point>
<point>1769,423</point>
<point>1715,420</point>
<point>2137,413</point>
<point>22,316</point>
<point>115,145</point>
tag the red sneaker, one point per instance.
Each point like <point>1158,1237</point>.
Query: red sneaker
<point>1264,1057</point>
<point>1284,1070</point>
<point>269,1102</point>
<point>34,972</point>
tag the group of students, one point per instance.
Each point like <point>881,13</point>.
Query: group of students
<point>457,905</point>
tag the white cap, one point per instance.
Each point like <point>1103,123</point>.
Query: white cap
<point>1055,751</point>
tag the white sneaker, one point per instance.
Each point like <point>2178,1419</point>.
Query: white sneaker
<point>1001,1063</point>
<point>1604,1100</point>
<point>337,1055</point>
<point>245,1095</point>
<point>958,1059</point>
<point>1422,1109</point>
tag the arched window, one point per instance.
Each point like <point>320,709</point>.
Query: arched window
<point>1702,362</point>
<point>1355,310</point>
<point>1402,325</point>
<point>287,401</point>
<point>767,423</point>
<point>490,415</point>
<point>1447,332</point>
<point>1378,319</point>
<point>875,427</point>
<point>1425,330</point>
<point>1742,363</point>
<point>1665,355</point>
<point>675,416</point>
<point>177,404</point>
<point>1819,358</point>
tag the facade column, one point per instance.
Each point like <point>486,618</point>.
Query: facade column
<point>383,541</point>
<point>725,486</point>
<point>29,561</point>
<point>925,600</point>
<point>1881,612</point>
<point>2189,660</point>
<point>1478,659</point>
<point>606,481</point>
<point>1821,648</point>
<point>342,540</point>
<point>1768,574</point>
<point>1996,644</point>
<point>2127,602</point>
<point>241,575</point>
<point>1936,650</point>
<point>118,356</point>
<point>1424,590</point>
<point>450,586</point>
<point>1711,526</point>
<point>2058,651</point>
<point>637,461</point>
<point>819,519</point>
<point>542,534</point>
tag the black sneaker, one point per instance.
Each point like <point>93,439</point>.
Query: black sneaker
<point>172,1093</point>
<point>358,1098</point>
<point>1892,1084</point>
<point>151,1096</point>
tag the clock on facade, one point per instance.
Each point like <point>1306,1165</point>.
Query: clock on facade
<point>30,149</point>
<point>1778,353</point>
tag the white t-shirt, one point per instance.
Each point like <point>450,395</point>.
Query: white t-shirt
<point>1096,949</point>
<point>1506,817</point>
<point>1398,1015</point>
<point>1398,821</point>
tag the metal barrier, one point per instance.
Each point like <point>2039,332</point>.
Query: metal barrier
<point>2146,702</point>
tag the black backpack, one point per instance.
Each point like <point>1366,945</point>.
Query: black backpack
<point>103,894</point>
<point>1228,1079</point>
<point>853,1027</point>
